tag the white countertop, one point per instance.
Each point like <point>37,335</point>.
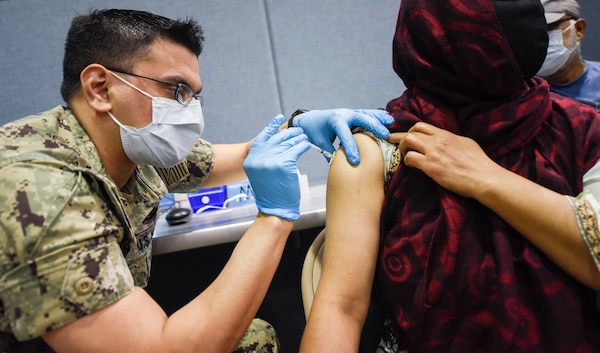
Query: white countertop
<point>228,225</point>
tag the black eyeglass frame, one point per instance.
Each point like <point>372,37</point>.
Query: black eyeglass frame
<point>556,24</point>
<point>181,87</point>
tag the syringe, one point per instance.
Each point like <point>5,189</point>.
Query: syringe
<point>322,151</point>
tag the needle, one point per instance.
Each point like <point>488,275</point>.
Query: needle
<point>322,151</point>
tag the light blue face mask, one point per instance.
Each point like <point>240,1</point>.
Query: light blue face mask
<point>169,138</point>
<point>558,55</point>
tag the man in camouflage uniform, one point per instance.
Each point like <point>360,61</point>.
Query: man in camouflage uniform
<point>80,187</point>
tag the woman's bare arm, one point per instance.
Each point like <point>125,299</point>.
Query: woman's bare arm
<point>354,202</point>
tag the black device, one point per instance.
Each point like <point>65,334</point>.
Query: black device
<point>178,215</point>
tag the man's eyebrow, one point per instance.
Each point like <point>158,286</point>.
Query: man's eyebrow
<point>178,79</point>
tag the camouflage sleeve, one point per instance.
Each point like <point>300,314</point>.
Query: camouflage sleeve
<point>190,175</point>
<point>260,337</point>
<point>59,253</point>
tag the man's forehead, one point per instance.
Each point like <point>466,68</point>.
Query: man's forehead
<point>173,60</point>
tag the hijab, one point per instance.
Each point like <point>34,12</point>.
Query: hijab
<point>454,276</point>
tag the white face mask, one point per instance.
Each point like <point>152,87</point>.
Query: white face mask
<point>169,138</point>
<point>557,55</point>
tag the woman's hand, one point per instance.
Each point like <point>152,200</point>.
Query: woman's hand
<point>455,162</point>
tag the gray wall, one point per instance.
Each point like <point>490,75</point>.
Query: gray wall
<point>261,58</point>
<point>591,42</point>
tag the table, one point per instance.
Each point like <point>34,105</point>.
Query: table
<point>228,225</point>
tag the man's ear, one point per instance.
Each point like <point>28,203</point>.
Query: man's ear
<point>580,26</point>
<point>94,85</point>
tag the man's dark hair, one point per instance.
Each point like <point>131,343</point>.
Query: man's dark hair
<point>118,38</point>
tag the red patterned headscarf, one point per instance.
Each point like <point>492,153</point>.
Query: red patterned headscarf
<point>455,276</point>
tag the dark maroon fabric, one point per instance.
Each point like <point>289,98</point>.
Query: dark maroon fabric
<point>456,277</point>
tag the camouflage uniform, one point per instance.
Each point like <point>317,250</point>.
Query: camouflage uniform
<point>71,242</point>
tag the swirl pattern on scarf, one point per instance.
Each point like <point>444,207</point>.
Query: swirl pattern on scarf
<point>455,276</point>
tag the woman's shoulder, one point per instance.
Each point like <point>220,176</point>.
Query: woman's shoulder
<point>390,152</point>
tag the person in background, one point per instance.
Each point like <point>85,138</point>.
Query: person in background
<point>80,187</point>
<point>445,272</point>
<point>564,67</point>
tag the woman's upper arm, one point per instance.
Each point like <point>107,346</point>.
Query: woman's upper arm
<point>354,202</point>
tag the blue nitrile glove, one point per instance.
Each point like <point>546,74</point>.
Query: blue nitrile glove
<point>272,171</point>
<point>322,126</point>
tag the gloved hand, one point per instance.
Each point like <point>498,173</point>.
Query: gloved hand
<point>272,170</point>
<point>322,126</point>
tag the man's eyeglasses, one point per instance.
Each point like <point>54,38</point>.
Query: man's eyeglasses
<point>557,24</point>
<point>183,93</point>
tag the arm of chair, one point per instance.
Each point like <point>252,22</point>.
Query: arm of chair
<point>311,271</point>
